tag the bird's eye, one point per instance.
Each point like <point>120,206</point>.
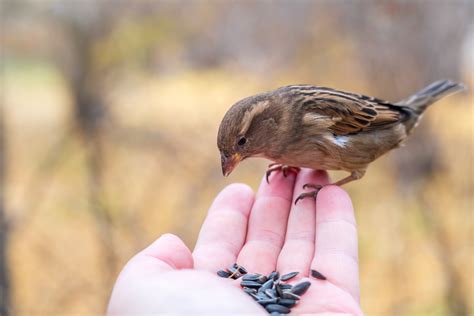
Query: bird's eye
<point>242,141</point>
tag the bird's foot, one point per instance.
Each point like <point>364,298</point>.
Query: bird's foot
<point>311,194</point>
<point>279,167</point>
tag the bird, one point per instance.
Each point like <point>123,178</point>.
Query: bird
<point>316,127</point>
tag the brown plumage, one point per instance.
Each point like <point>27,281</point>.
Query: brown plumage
<point>320,128</point>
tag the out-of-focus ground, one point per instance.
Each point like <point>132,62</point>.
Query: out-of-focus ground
<point>108,123</point>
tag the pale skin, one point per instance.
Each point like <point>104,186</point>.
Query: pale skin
<point>263,232</point>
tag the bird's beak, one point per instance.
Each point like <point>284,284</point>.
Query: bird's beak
<point>229,163</point>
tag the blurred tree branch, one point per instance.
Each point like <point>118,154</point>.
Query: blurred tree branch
<point>90,114</point>
<point>4,231</point>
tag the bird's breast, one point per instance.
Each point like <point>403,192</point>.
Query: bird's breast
<point>341,152</point>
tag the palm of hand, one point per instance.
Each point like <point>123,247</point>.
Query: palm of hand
<point>262,234</point>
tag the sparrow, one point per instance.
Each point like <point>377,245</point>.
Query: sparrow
<point>320,128</point>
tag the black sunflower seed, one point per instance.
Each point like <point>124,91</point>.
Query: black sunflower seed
<point>268,301</point>
<point>234,273</point>
<point>285,286</point>
<point>251,277</point>
<point>239,268</point>
<point>288,276</point>
<point>233,270</point>
<point>287,302</point>
<point>290,295</point>
<point>223,274</point>
<point>270,293</point>
<point>301,288</point>
<point>274,275</point>
<point>254,296</point>
<point>266,285</point>
<point>277,308</point>
<point>317,275</point>
<point>249,290</point>
<point>262,296</point>
<point>279,289</point>
<point>250,284</point>
<point>262,279</point>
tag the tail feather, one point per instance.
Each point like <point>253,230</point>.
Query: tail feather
<point>430,94</point>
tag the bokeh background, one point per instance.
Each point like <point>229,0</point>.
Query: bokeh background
<point>108,123</point>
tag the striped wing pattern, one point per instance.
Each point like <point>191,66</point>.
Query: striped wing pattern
<point>349,112</point>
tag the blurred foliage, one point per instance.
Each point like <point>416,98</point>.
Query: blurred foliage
<point>111,110</point>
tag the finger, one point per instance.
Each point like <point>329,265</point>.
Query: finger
<point>223,232</point>
<point>335,253</point>
<point>298,249</point>
<point>165,254</point>
<point>267,224</point>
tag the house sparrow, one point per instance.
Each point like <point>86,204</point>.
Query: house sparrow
<point>320,128</point>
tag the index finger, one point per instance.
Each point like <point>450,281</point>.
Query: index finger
<point>267,224</point>
<point>223,232</point>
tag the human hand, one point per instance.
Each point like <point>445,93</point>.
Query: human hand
<point>262,234</point>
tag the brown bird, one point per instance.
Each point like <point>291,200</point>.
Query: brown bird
<point>320,128</point>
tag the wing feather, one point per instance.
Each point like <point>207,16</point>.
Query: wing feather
<point>347,113</point>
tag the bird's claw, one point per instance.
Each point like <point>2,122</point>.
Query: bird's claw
<point>312,194</point>
<point>312,186</point>
<point>279,167</point>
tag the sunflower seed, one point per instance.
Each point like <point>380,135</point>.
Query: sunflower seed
<point>223,274</point>
<point>262,296</point>
<point>262,279</point>
<point>233,270</point>
<point>290,295</point>
<point>251,277</point>
<point>277,308</point>
<point>288,276</point>
<point>287,302</point>
<point>254,296</point>
<point>279,289</point>
<point>301,288</point>
<point>239,268</point>
<point>269,290</point>
<point>268,301</point>
<point>274,275</point>
<point>250,284</point>
<point>242,269</point>
<point>234,273</point>
<point>266,285</point>
<point>270,293</point>
<point>249,290</point>
<point>317,275</point>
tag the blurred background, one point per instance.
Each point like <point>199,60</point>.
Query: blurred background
<point>108,119</point>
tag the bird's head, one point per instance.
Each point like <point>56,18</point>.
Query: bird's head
<point>248,129</point>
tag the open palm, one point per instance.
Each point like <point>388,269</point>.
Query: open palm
<point>263,233</point>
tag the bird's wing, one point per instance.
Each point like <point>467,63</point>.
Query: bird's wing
<point>347,113</point>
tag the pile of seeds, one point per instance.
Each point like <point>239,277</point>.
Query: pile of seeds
<point>270,291</point>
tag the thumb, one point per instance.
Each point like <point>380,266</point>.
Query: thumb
<point>166,254</point>
<point>169,251</point>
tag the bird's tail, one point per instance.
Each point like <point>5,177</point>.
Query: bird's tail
<point>430,94</point>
